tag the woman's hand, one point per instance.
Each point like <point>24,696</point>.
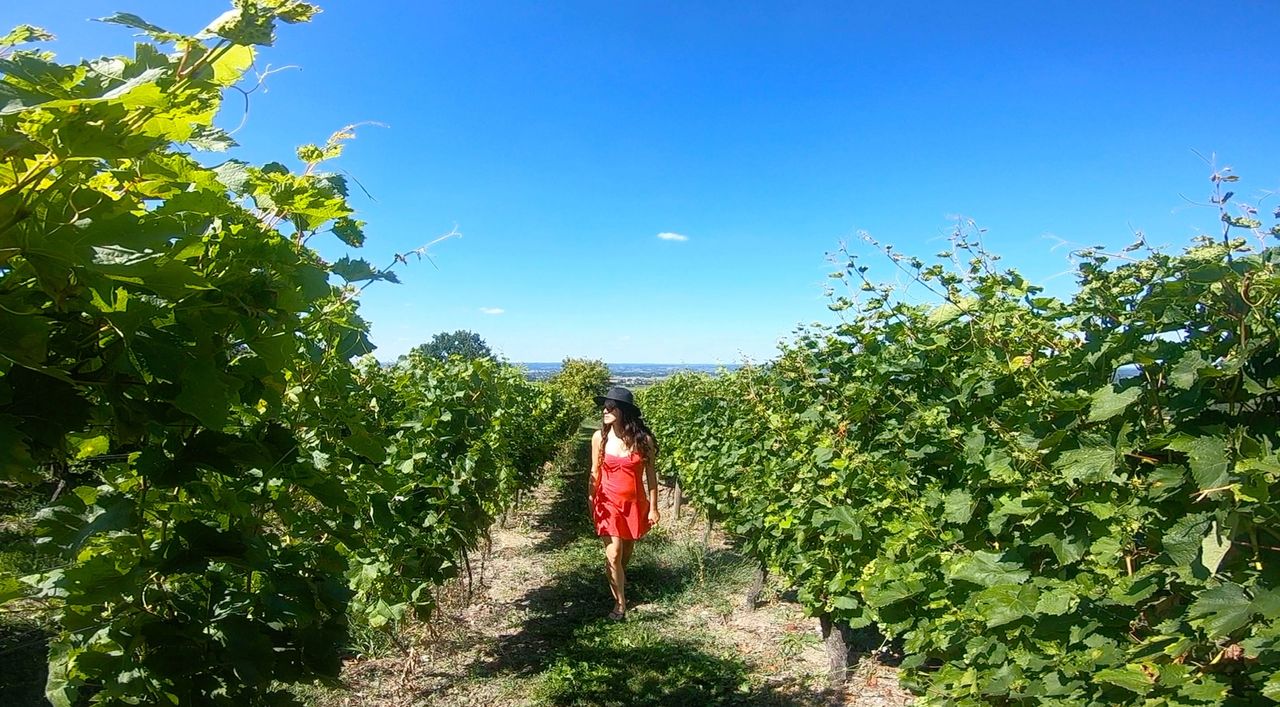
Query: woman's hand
<point>654,516</point>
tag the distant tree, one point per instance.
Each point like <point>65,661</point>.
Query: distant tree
<point>466,344</point>
<point>581,380</point>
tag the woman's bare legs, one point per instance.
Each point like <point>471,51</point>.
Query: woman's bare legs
<point>615,571</point>
<point>617,553</point>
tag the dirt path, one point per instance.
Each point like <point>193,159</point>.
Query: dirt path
<point>534,630</point>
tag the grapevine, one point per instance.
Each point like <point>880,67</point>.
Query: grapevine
<point>1044,500</point>
<point>231,483</point>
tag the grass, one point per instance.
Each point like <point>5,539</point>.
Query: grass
<point>620,664</point>
<point>648,659</point>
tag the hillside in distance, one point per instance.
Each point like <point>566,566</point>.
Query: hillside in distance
<point>631,374</point>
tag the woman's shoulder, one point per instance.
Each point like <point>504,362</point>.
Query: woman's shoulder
<point>595,437</point>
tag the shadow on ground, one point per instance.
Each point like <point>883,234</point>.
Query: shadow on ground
<point>576,656</point>
<point>567,518</point>
<point>24,647</point>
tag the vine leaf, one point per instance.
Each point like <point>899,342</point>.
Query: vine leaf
<point>1271,689</point>
<point>242,25</point>
<point>1215,545</point>
<point>1057,602</point>
<point>985,569</point>
<point>23,34</point>
<point>89,446</point>
<point>140,91</point>
<point>232,64</point>
<point>1266,602</point>
<point>59,690</point>
<point>1182,541</point>
<point>119,255</point>
<point>108,513</point>
<point>1132,591</point>
<point>1208,457</point>
<point>843,518</point>
<point>211,139</point>
<point>128,19</point>
<point>234,175</point>
<point>1131,677</point>
<point>1187,370</point>
<point>1106,403</point>
<point>1221,610</point>
<point>204,394</point>
<point>349,231</point>
<point>359,270</point>
<point>1003,603</point>
<point>958,507</point>
<point>1090,465</point>
<point>1065,549</point>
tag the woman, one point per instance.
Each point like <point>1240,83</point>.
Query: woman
<point>621,450</point>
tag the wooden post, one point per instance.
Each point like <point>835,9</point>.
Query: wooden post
<point>756,588</point>
<point>679,499</point>
<point>486,553</point>
<point>706,533</point>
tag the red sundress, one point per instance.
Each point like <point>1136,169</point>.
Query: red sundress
<point>621,509</point>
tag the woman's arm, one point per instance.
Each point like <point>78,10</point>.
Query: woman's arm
<point>651,480</point>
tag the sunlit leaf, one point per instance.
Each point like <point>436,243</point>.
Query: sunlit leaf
<point>1215,545</point>
<point>986,569</point>
<point>1106,403</point>
<point>1134,678</point>
<point>1220,610</point>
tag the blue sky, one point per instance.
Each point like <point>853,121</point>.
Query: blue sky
<point>562,138</point>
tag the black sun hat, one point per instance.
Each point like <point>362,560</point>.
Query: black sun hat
<point>618,394</point>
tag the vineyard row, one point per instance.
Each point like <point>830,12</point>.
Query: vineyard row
<point>233,482</point>
<point>1035,500</point>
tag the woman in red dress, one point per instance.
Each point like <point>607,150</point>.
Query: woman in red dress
<point>622,451</point>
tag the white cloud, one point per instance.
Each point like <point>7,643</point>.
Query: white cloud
<point>492,310</point>
<point>669,236</point>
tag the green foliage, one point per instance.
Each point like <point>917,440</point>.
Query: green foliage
<point>466,344</point>
<point>580,380</point>
<point>613,665</point>
<point>975,478</point>
<point>175,357</point>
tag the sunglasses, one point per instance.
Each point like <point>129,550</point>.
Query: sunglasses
<point>610,406</point>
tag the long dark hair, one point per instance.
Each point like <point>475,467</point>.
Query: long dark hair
<point>635,433</point>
